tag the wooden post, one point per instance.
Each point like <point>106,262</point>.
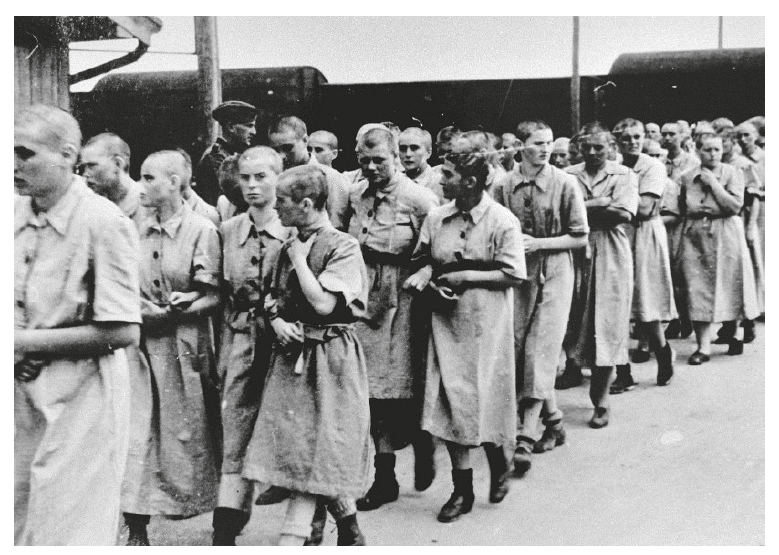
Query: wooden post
<point>575,80</point>
<point>209,83</point>
<point>719,36</point>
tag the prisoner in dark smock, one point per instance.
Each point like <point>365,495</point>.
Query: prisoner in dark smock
<point>312,430</point>
<point>469,391</point>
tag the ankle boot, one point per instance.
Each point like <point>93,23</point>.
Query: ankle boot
<point>749,330</point>
<point>624,380</point>
<point>499,472</point>
<point>571,376</point>
<point>228,524</point>
<point>385,488</point>
<point>665,364</point>
<point>424,460</point>
<point>137,527</point>
<point>349,532</point>
<point>554,436</point>
<point>318,523</point>
<point>461,501</point>
<point>522,456</point>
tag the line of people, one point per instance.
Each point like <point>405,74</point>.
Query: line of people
<point>280,322</point>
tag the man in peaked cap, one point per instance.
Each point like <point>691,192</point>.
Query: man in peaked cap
<point>238,130</point>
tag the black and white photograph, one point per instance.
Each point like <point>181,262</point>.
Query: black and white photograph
<point>333,279</point>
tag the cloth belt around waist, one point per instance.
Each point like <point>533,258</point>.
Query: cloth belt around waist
<point>706,215</point>
<point>318,334</point>
<point>371,256</point>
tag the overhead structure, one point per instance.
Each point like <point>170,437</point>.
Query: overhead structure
<point>41,55</point>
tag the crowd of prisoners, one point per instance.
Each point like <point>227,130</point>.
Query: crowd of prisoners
<point>255,327</point>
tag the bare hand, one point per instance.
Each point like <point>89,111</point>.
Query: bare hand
<point>298,250</point>
<point>28,369</point>
<point>455,279</point>
<point>419,280</point>
<point>532,244</point>
<point>287,332</point>
<point>708,179</point>
<point>182,301</point>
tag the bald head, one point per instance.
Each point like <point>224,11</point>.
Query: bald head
<point>172,163</point>
<point>51,126</point>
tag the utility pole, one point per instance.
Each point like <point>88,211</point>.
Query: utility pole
<point>721,24</point>
<point>209,82</point>
<point>575,80</point>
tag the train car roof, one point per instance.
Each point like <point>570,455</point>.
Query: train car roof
<point>689,61</point>
<point>187,80</point>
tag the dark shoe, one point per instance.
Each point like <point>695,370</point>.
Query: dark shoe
<point>318,523</point>
<point>640,356</point>
<point>673,329</point>
<point>697,358</point>
<point>349,532</point>
<point>600,418</point>
<point>665,364</point>
<point>523,456</point>
<point>685,328</point>
<point>424,461</point>
<point>272,495</point>
<point>736,347</point>
<point>385,488</point>
<point>227,524</point>
<point>137,529</point>
<point>749,331</point>
<point>499,472</point>
<point>725,333</point>
<point>552,438</point>
<point>571,376</point>
<point>624,380</point>
<point>461,501</point>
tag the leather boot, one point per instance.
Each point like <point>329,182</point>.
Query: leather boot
<point>499,472</point>
<point>665,364</point>
<point>749,330</point>
<point>318,523</point>
<point>624,380</point>
<point>385,488</point>
<point>571,376</point>
<point>461,501</point>
<point>137,527</point>
<point>554,436</point>
<point>522,456</point>
<point>228,524</point>
<point>424,460</point>
<point>272,495</point>
<point>349,532</point>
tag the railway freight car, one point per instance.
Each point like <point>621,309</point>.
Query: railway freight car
<point>158,110</point>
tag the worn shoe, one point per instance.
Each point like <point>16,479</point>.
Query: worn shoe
<point>640,356</point>
<point>623,382</point>
<point>571,376</point>
<point>318,523</point>
<point>424,461</point>
<point>228,524</point>
<point>461,501</point>
<point>137,538</point>
<point>551,439</point>
<point>499,472</point>
<point>272,495</point>
<point>665,364</point>
<point>736,347</point>
<point>749,331</point>
<point>349,532</point>
<point>685,328</point>
<point>698,358</point>
<point>523,456</point>
<point>673,329</point>
<point>600,418</point>
<point>385,488</point>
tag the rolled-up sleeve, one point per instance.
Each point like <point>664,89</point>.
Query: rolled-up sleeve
<point>574,212</point>
<point>345,273</point>
<point>509,248</point>
<point>207,257</point>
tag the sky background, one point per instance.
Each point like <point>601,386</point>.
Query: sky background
<point>390,49</point>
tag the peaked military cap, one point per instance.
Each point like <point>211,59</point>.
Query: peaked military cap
<point>234,111</point>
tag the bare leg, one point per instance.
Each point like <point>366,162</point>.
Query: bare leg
<point>703,336</point>
<point>235,492</point>
<point>297,523</point>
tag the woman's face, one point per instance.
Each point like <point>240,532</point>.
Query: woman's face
<point>454,185</point>
<point>257,179</point>
<point>710,152</point>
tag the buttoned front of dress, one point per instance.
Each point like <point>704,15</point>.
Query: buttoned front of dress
<point>172,468</point>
